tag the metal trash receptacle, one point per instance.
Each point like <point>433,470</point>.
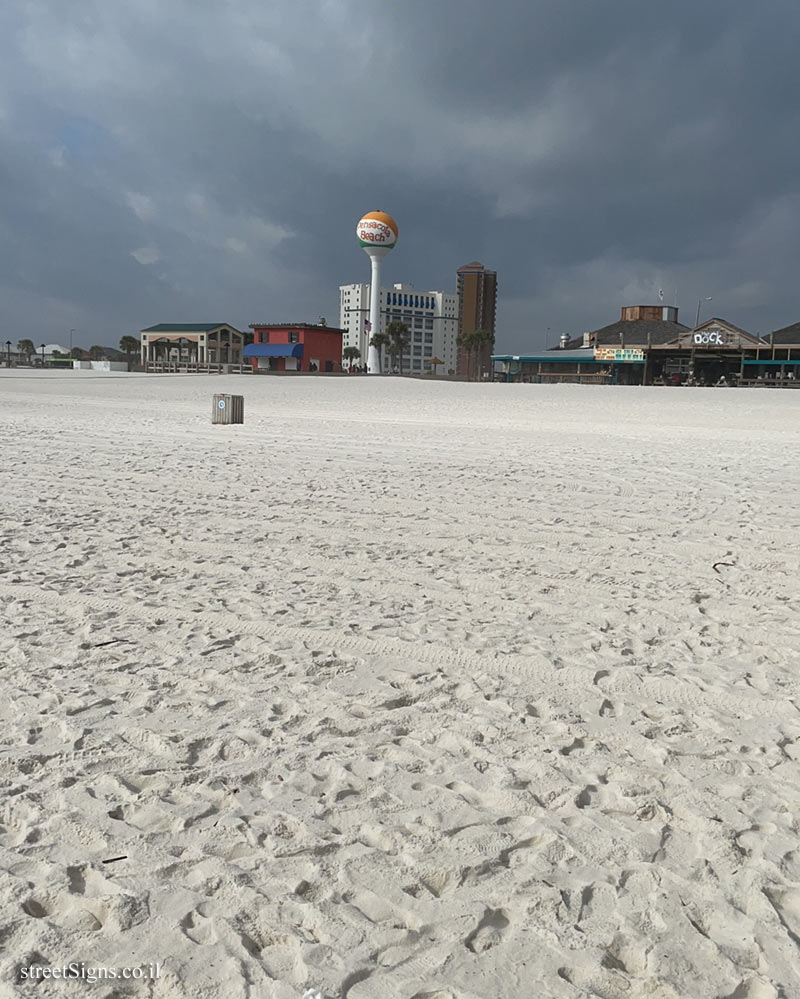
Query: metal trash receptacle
<point>227,409</point>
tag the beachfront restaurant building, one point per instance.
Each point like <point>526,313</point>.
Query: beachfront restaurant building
<point>578,364</point>
<point>282,347</point>
<point>714,353</point>
<point>648,346</point>
<point>777,362</point>
<point>189,346</point>
<point>613,354</point>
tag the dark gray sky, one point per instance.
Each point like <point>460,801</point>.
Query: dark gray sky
<point>199,160</point>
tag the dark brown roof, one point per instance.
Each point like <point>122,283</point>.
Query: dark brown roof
<point>474,265</point>
<point>295,326</point>
<point>789,334</point>
<point>725,322</point>
<point>634,333</point>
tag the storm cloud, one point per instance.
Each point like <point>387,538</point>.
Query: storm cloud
<point>207,161</point>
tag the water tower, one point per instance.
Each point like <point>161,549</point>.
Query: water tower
<point>377,234</point>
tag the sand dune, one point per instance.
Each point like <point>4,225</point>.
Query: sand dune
<point>401,690</point>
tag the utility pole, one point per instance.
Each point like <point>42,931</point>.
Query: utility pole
<point>699,303</point>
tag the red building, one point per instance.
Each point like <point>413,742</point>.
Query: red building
<point>295,347</point>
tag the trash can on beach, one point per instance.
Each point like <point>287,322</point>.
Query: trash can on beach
<point>228,409</point>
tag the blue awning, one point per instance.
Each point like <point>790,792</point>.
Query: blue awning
<point>273,350</point>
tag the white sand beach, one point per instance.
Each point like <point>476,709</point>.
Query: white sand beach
<point>401,690</point>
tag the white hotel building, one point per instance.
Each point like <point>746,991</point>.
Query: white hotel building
<point>431,318</point>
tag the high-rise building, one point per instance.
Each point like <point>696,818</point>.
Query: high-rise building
<point>477,301</point>
<point>431,318</point>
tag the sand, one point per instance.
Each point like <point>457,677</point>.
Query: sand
<point>401,689</point>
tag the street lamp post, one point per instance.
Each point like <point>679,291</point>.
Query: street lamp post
<point>41,347</point>
<point>70,342</point>
<point>699,303</point>
<point>8,351</point>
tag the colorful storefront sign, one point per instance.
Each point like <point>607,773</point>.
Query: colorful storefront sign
<point>619,354</point>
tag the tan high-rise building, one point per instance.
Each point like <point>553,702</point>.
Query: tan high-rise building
<point>477,301</point>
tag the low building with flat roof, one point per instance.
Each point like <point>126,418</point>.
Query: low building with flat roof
<point>278,347</point>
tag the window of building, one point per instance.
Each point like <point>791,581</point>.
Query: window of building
<point>264,338</point>
<point>294,336</point>
<point>428,324</point>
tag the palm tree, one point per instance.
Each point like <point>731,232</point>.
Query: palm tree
<point>97,353</point>
<point>482,337</point>
<point>130,345</point>
<point>26,348</point>
<point>77,353</point>
<point>380,341</point>
<point>351,354</point>
<point>393,351</point>
<point>399,339</point>
<point>466,341</point>
<point>473,342</point>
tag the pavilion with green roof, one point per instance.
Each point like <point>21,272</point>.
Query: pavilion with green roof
<point>182,344</point>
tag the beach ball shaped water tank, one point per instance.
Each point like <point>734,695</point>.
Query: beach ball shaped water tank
<point>377,229</point>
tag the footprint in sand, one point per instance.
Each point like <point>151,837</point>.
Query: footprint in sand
<point>489,932</point>
<point>755,988</point>
<point>598,983</point>
<point>575,746</point>
<point>587,796</point>
<point>39,909</point>
<point>628,954</point>
<point>790,865</point>
<point>80,916</point>
<point>198,928</point>
<point>787,908</point>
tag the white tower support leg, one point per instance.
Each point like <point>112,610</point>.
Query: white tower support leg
<point>373,355</point>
